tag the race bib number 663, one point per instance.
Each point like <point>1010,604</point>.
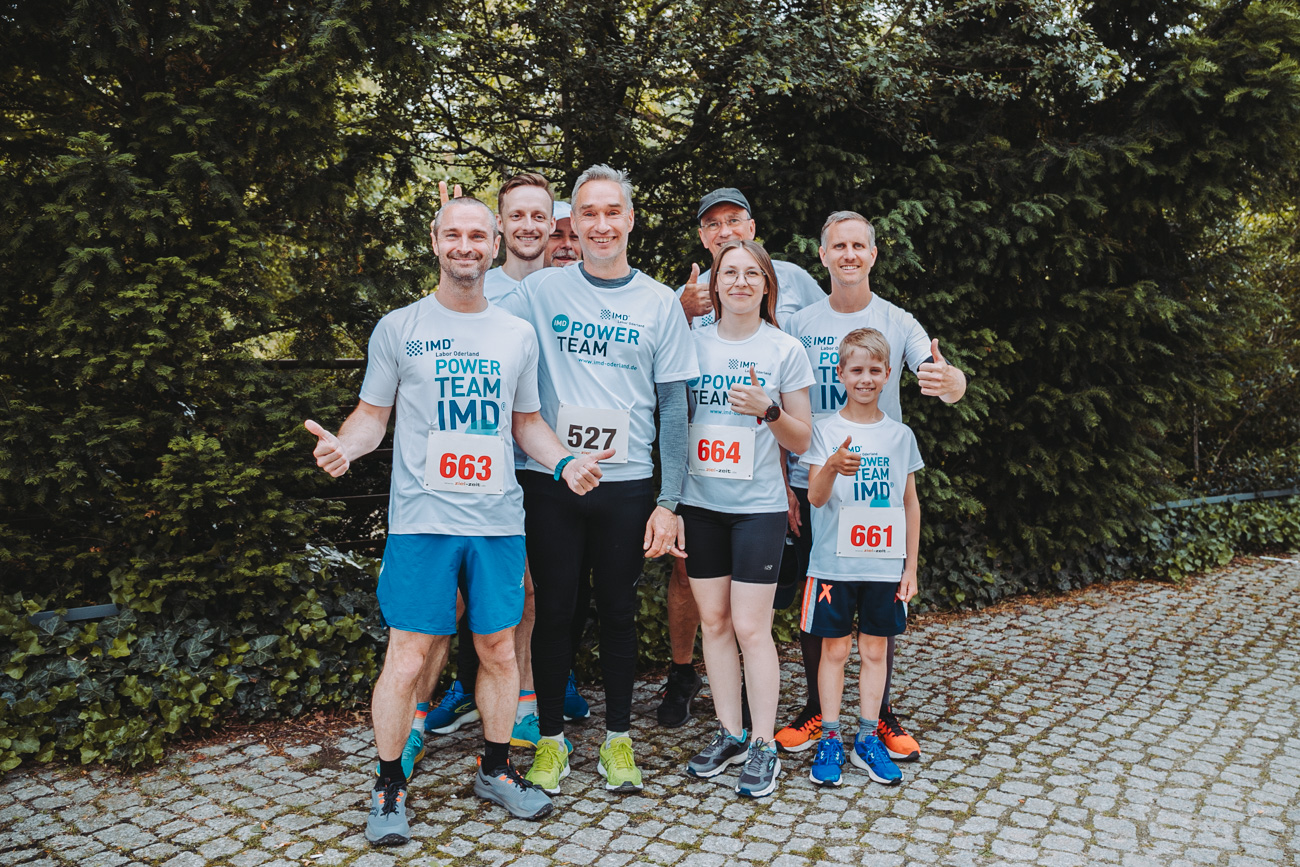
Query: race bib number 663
<point>872,531</point>
<point>461,463</point>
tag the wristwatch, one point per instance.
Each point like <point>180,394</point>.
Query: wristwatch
<point>773,412</point>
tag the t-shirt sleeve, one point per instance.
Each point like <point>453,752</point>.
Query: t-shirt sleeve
<point>914,460</point>
<point>674,357</point>
<point>526,396</point>
<point>517,301</point>
<point>916,349</point>
<point>817,453</point>
<point>379,388</point>
<point>796,372</point>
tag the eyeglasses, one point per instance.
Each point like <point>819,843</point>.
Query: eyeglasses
<point>730,276</point>
<point>732,223</point>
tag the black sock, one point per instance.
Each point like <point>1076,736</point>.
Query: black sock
<point>495,757</point>
<point>889,675</point>
<point>390,771</point>
<point>811,645</point>
<point>685,669</point>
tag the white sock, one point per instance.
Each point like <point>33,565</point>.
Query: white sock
<point>609,736</point>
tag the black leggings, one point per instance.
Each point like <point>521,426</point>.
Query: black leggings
<point>565,533</point>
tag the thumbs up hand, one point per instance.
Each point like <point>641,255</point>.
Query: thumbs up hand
<point>940,379</point>
<point>844,462</point>
<point>695,297</point>
<point>749,398</point>
<point>329,451</point>
<point>582,474</point>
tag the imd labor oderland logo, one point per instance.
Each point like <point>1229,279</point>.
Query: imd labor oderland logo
<point>560,323</point>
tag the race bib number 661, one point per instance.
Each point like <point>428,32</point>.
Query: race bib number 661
<point>872,531</point>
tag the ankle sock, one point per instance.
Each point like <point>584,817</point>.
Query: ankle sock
<point>527,704</point>
<point>495,757</point>
<point>683,668</point>
<point>867,726</point>
<point>609,736</point>
<point>830,728</point>
<point>421,711</point>
<point>390,770</point>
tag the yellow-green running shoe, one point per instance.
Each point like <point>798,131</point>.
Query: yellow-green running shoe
<point>618,766</point>
<point>550,765</point>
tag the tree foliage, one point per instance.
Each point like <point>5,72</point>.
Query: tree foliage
<point>1092,205</point>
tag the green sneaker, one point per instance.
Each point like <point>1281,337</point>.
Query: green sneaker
<point>550,765</point>
<point>618,766</point>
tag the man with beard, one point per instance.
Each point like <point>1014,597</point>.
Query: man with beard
<point>455,511</point>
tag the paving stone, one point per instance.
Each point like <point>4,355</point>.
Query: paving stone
<point>1077,730</point>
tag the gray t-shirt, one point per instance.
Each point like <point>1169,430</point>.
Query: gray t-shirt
<point>605,349</point>
<point>497,284</point>
<point>463,373</point>
<point>889,453</point>
<point>781,367</point>
<point>820,329</point>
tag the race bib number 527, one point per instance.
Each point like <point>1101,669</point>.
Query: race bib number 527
<point>461,463</point>
<point>585,429</point>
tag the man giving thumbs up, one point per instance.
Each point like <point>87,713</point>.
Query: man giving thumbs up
<point>463,377</point>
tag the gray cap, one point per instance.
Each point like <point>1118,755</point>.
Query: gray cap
<point>730,195</point>
<point>561,211</point>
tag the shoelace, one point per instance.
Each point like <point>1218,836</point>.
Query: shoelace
<point>620,755</point>
<point>389,800</point>
<point>512,776</point>
<point>547,759</point>
<point>890,724</point>
<point>807,721</point>
<point>825,748</point>
<point>758,758</point>
<point>451,698</point>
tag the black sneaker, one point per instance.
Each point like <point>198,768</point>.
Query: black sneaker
<point>758,777</point>
<point>724,750</point>
<point>675,709</point>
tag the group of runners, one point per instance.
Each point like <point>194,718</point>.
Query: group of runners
<point>522,489</point>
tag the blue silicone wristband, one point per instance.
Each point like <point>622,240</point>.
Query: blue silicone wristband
<point>559,468</point>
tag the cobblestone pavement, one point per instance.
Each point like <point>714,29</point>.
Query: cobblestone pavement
<point>1138,724</point>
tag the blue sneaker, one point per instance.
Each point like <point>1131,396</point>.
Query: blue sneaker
<point>456,709</point>
<point>527,732</point>
<point>827,762</point>
<point>870,755</point>
<point>575,706</point>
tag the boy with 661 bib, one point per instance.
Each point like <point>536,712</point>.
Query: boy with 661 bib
<point>866,530</point>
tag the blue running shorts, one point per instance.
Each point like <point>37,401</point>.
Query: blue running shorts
<point>422,571</point>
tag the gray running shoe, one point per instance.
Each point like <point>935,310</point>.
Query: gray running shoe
<point>758,777</point>
<point>722,751</point>
<point>387,825</point>
<point>520,797</point>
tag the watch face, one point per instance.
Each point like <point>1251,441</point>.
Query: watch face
<point>773,412</point>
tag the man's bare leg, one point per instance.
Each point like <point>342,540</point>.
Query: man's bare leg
<point>407,662</point>
<point>498,684</point>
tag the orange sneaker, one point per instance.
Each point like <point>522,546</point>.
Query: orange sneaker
<point>802,734</point>
<point>901,746</point>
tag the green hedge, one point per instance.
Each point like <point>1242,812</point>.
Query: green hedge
<point>119,689</point>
